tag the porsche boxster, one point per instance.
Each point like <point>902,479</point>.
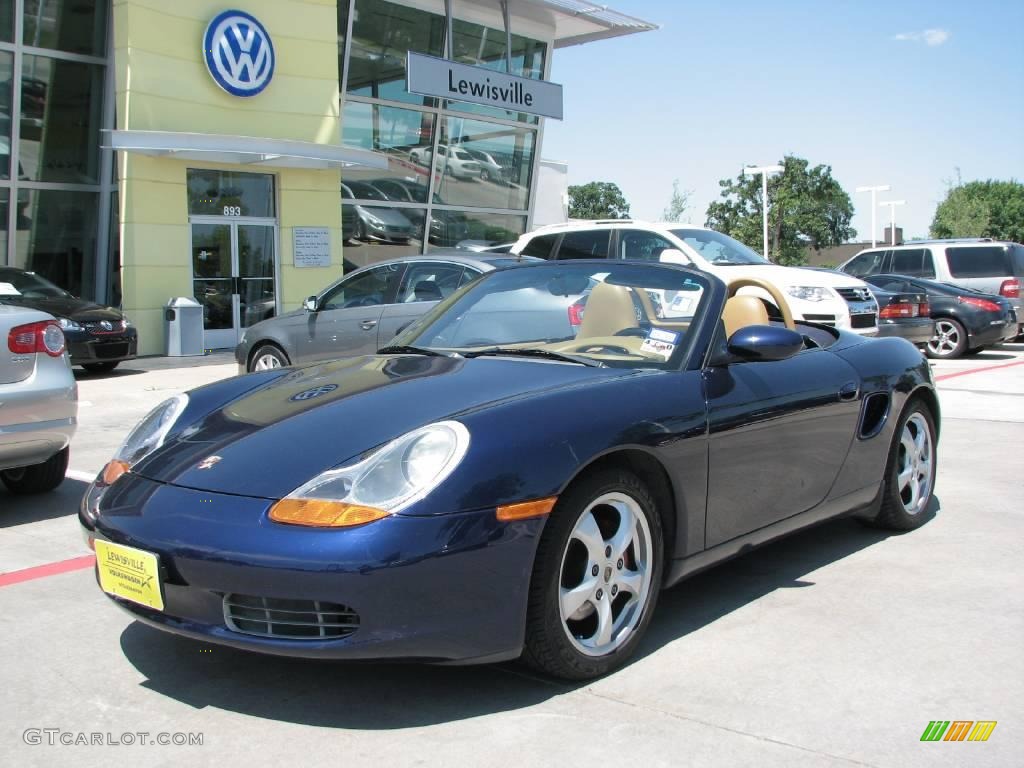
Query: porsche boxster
<point>518,474</point>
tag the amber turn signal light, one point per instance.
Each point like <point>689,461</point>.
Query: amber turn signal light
<point>524,510</point>
<point>324,514</point>
<point>114,470</point>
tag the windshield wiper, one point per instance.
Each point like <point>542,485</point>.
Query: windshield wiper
<point>533,352</point>
<point>405,349</point>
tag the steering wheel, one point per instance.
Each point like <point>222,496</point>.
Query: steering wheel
<point>771,290</point>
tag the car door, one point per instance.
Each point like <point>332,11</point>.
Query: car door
<point>348,314</point>
<point>424,284</point>
<point>778,433</point>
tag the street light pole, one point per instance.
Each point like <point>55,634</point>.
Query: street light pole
<point>874,206</point>
<point>764,170</point>
<point>892,217</point>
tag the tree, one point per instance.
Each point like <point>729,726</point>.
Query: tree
<point>679,203</point>
<point>981,209</point>
<point>597,200</point>
<point>807,207</point>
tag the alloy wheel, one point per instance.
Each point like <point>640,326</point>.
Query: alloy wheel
<point>605,575</point>
<point>946,339</point>
<point>266,362</point>
<point>914,465</point>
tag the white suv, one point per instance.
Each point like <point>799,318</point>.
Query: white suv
<point>818,297</point>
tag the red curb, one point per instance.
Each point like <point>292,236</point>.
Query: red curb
<point>977,370</point>
<point>50,569</point>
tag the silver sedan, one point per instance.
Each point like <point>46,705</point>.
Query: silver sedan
<point>40,401</point>
<point>364,310</point>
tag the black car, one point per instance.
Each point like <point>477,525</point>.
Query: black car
<point>966,321</point>
<point>904,314</point>
<point>98,337</point>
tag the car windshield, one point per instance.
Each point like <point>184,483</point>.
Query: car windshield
<point>721,250</point>
<point>616,315</point>
<point>31,286</point>
<point>462,154</point>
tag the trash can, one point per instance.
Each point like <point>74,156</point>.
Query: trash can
<point>183,317</point>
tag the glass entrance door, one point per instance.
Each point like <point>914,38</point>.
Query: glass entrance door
<point>233,276</point>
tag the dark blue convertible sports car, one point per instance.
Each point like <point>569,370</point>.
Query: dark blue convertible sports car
<point>519,474</point>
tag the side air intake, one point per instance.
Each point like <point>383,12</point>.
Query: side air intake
<point>873,414</point>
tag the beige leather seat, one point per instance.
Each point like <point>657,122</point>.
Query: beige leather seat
<point>609,309</point>
<point>741,311</point>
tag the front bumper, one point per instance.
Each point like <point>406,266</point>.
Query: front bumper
<point>444,588</point>
<point>919,330</point>
<point>85,347</point>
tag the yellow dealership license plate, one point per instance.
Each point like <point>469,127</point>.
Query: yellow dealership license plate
<point>129,573</point>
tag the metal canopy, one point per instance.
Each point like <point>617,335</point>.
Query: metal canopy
<point>241,150</point>
<point>579,22</point>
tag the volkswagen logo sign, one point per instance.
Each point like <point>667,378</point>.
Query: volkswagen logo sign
<point>239,53</point>
<point>309,394</point>
<point>106,325</point>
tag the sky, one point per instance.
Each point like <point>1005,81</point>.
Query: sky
<point>898,93</point>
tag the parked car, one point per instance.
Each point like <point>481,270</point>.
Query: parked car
<point>455,161</point>
<point>980,264</point>
<point>445,226</point>
<point>361,311</point>
<point>836,300</point>
<point>373,222</point>
<point>98,338</point>
<point>40,401</point>
<point>490,169</point>
<point>904,314</point>
<point>966,321</point>
<point>487,487</point>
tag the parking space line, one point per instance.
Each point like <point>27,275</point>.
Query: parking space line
<point>50,569</point>
<point>77,474</point>
<point>945,376</point>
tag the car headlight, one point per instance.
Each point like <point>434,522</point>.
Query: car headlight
<point>67,324</point>
<point>148,435</point>
<point>809,292</point>
<point>389,480</point>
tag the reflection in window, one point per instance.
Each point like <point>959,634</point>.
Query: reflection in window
<point>59,240</point>
<point>6,80</point>
<point>7,21</point>
<point>60,119</point>
<point>376,232</point>
<point>485,164</point>
<point>3,226</point>
<point>76,26</point>
<point>227,193</point>
<point>400,134</point>
<point>382,33</point>
<point>491,228</point>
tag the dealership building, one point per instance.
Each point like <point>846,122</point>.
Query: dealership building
<point>244,154</point>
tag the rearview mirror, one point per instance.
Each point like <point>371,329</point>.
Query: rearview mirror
<point>310,304</point>
<point>765,342</point>
<point>673,256</point>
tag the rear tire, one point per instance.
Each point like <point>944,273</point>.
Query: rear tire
<point>39,478</point>
<point>909,481</point>
<point>950,340</point>
<point>266,358</point>
<point>595,578</point>
<point>99,367</point>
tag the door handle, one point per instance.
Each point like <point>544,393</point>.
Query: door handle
<point>368,325</point>
<point>849,391</point>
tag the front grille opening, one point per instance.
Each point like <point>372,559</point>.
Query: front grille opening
<point>863,321</point>
<point>821,319</point>
<point>873,413</point>
<point>289,619</point>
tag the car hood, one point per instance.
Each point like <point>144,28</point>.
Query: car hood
<point>787,276</point>
<point>387,215</point>
<point>279,436</point>
<point>79,310</point>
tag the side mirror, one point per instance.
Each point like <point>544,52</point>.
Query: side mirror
<point>765,342</point>
<point>310,304</point>
<point>673,256</point>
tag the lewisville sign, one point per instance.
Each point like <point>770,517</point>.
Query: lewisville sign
<point>444,79</point>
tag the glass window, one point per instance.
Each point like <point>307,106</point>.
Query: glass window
<point>377,232</point>
<point>867,263</point>
<point>3,226</point>
<point>367,289</point>
<point>449,228</point>
<point>429,281</point>
<point>540,246</point>
<point>76,26</point>
<point>7,21</point>
<point>57,237</point>
<point>227,193</point>
<point>927,265</point>
<point>114,258</point>
<point>6,79</point>
<point>404,136</point>
<point>485,164</point>
<point>908,262</point>
<point>975,261</point>
<point>61,103</point>
<point>382,33</point>
<point>585,244</point>
<point>645,246</point>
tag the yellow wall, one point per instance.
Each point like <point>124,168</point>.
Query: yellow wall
<point>162,84</point>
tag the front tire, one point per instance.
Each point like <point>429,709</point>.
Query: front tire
<point>266,358</point>
<point>595,578</point>
<point>38,478</point>
<point>909,480</point>
<point>950,340</point>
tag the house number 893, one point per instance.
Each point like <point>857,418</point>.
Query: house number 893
<point>232,210</point>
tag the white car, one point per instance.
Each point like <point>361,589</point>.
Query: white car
<point>456,161</point>
<point>819,297</point>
